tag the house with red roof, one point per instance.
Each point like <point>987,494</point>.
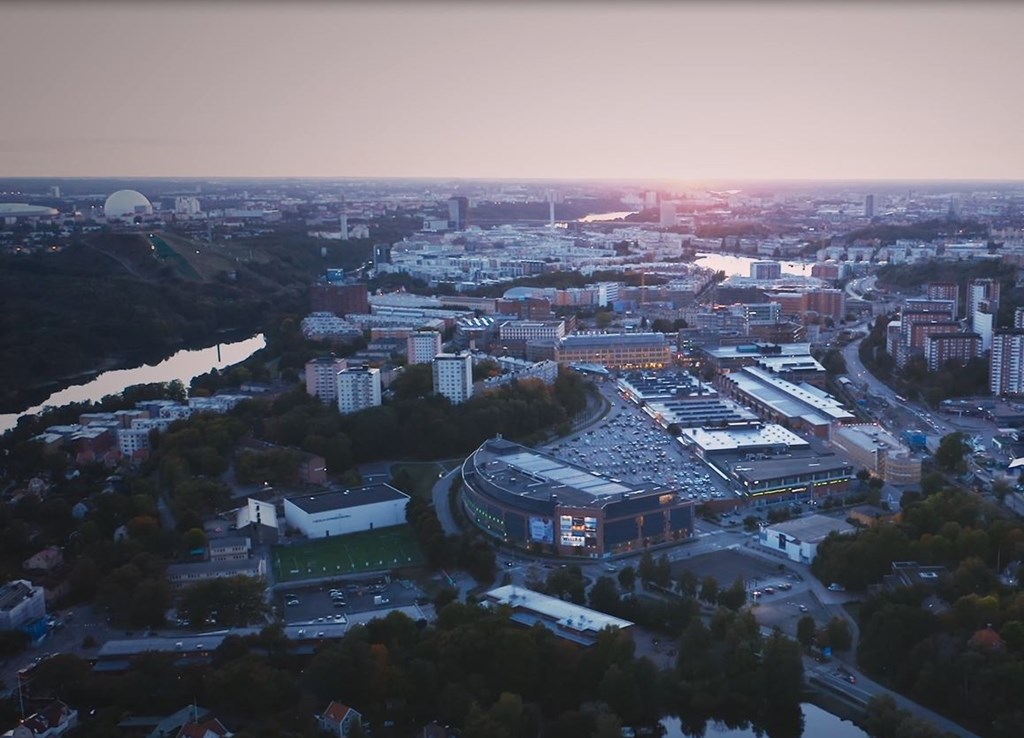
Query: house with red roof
<point>339,719</point>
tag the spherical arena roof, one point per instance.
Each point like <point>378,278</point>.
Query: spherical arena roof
<point>126,204</point>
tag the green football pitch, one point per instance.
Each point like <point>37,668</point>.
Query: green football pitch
<point>390,548</point>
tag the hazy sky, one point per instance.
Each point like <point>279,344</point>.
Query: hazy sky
<point>566,90</point>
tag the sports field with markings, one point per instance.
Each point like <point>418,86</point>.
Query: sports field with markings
<point>389,548</point>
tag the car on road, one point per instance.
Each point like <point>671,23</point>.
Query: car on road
<point>803,608</point>
<point>834,587</point>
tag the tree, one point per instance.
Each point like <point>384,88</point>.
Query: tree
<point>709,590</point>
<point>837,632</point>
<point>735,596</point>
<point>951,453</point>
<point>627,578</point>
<point>604,595</point>
<point>806,629</point>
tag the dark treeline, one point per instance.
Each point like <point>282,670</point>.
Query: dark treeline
<point>956,645</point>
<point>474,668</point>
<point>927,230</point>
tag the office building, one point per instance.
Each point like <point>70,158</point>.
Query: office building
<point>358,389</point>
<point>764,270</point>
<point>1006,367</point>
<point>615,350</point>
<point>881,453</point>
<point>322,378</point>
<point>453,376</point>
<point>869,206</point>
<point>1018,318</point>
<point>422,347</point>
<point>381,255</point>
<point>667,215</point>
<point>458,213</point>
<point>826,302</point>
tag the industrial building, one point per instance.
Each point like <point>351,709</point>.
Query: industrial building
<point>528,498</point>
<point>801,407</point>
<point>566,620</point>
<point>347,511</point>
<point>799,538</point>
<point>747,437</point>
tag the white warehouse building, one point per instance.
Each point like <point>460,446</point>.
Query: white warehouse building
<point>798,539</point>
<point>347,511</point>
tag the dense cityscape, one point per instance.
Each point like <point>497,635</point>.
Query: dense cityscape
<point>512,370</point>
<point>605,414</point>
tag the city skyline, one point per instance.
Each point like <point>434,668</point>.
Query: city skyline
<point>783,91</point>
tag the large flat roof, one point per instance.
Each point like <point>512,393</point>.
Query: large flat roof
<point>565,614</point>
<point>734,439</point>
<point>871,437</point>
<point>528,473</point>
<point>812,528</point>
<point>789,399</point>
<point>765,469</point>
<point>755,350</point>
<point>356,497</point>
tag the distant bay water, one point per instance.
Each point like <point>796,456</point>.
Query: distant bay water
<point>739,266</point>
<point>598,217</point>
<point>185,365</point>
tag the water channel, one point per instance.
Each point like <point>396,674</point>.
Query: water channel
<point>184,365</point>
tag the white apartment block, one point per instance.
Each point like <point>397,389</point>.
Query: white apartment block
<point>423,346</point>
<point>358,389</point>
<point>322,378</point>
<point>453,376</point>
<point>1006,368</point>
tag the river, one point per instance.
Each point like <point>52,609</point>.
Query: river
<point>599,217</point>
<point>739,266</point>
<point>184,365</point>
<point>817,722</point>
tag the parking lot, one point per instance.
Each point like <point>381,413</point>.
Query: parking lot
<point>726,565</point>
<point>629,446</point>
<point>314,604</point>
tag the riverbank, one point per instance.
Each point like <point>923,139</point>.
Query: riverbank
<point>183,364</point>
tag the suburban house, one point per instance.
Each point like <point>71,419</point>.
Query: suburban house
<point>339,719</point>
<point>52,721</point>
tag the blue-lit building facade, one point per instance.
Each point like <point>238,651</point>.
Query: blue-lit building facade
<point>530,499</point>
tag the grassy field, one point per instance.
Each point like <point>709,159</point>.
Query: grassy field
<point>388,548</point>
<point>424,475</point>
<point>164,252</point>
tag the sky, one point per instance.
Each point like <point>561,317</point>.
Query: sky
<point>563,90</point>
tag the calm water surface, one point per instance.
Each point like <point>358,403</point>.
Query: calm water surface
<point>817,724</point>
<point>739,266</point>
<point>598,217</point>
<point>184,365</point>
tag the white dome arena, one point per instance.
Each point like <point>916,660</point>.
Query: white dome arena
<point>126,204</point>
